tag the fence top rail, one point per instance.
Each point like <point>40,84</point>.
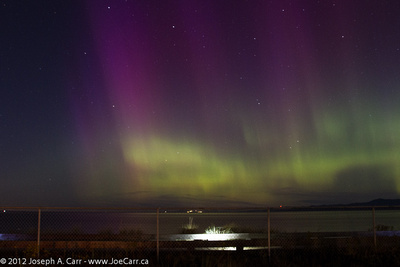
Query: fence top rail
<point>196,209</point>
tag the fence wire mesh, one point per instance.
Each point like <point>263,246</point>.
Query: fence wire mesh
<point>200,236</point>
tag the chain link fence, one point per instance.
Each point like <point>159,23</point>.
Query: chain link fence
<point>202,236</point>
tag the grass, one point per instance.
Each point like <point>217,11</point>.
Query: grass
<point>189,228</point>
<point>382,227</point>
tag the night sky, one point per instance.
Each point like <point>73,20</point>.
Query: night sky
<point>210,103</point>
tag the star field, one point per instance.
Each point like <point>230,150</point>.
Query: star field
<point>199,102</point>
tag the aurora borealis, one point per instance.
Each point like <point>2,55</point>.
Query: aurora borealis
<point>165,103</point>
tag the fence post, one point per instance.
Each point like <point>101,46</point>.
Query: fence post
<point>269,235</point>
<point>38,234</point>
<point>158,234</point>
<point>374,225</point>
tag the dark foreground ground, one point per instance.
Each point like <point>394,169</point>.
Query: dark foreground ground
<point>308,249</point>
<point>299,257</point>
<point>279,257</point>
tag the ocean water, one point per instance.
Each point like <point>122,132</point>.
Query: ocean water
<point>22,222</point>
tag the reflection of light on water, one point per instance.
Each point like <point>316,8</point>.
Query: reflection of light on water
<point>255,248</point>
<point>231,248</point>
<point>8,237</point>
<point>221,237</point>
<point>218,248</point>
<point>16,237</point>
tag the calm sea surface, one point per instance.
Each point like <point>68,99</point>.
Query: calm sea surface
<point>172,223</point>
